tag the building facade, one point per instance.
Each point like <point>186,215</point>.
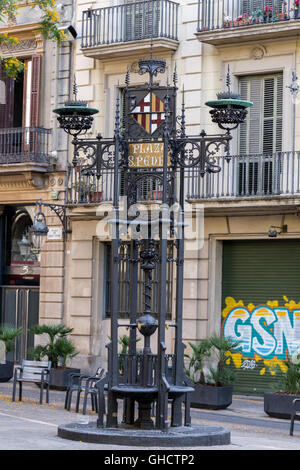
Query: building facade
<point>241,280</point>
<point>33,161</point>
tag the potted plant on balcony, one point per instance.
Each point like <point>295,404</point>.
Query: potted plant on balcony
<point>87,191</point>
<point>213,389</point>
<point>258,16</point>
<point>278,404</point>
<point>7,335</point>
<point>296,9</point>
<point>227,21</point>
<point>58,349</point>
<point>268,14</point>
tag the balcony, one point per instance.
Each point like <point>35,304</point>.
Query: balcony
<point>223,22</point>
<point>262,180</point>
<point>126,30</point>
<point>23,149</point>
<point>271,180</point>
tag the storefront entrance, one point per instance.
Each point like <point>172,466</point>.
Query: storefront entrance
<point>20,278</point>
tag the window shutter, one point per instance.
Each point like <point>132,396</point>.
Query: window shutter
<point>262,130</point>
<point>278,146</point>
<point>268,115</point>
<point>250,131</point>
<point>142,20</point>
<point>272,114</point>
<point>7,100</point>
<point>261,133</point>
<point>250,6</point>
<point>35,90</point>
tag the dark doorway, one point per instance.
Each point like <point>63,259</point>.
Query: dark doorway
<point>20,278</point>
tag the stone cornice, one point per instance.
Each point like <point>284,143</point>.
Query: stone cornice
<point>22,181</point>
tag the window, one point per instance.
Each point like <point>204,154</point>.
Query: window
<point>260,136</point>
<point>250,6</point>
<point>262,130</point>
<point>141,19</point>
<point>124,285</point>
<point>19,99</point>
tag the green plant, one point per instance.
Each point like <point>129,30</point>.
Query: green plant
<point>200,352</point>
<point>203,351</point>
<point>291,380</point>
<point>8,334</point>
<point>48,26</point>
<point>58,348</point>
<point>84,187</point>
<point>221,374</point>
<point>124,341</point>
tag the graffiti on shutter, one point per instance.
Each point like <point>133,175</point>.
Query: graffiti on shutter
<point>269,334</point>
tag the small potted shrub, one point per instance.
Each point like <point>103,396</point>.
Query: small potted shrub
<point>58,350</point>
<point>279,403</point>
<point>213,389</point>
<point>296,9</point>
<point>8,334</point>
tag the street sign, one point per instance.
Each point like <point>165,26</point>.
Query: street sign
<point>54,233</point>
<point>146,155</point>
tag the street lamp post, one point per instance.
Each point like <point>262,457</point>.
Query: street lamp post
<point>150,121</point>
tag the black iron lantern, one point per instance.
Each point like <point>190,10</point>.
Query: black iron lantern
<point>75,116</point>
<point>229,110</point>
<point>39,229</point>
<point>24,247</point>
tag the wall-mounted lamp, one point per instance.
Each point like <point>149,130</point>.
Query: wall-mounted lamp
<point>24,247</point>
<point>39,229</point>
<point>272,233</point>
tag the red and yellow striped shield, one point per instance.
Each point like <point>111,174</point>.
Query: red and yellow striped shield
<point>149,113</point>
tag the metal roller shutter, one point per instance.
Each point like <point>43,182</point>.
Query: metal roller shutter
<point>260,306</point>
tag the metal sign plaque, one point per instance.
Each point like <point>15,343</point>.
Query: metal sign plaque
<point>146,155</point>
<point>55,233</point>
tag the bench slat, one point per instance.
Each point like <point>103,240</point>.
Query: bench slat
<point>26,363</point>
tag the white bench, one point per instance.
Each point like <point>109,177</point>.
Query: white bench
<point>35,372</point>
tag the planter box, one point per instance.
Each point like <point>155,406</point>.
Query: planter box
<point>6,371</point>
<point>279,405</point>
<point>211,397</point>
<point>59,377</point>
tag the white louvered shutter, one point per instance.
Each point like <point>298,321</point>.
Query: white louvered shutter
<point>272,114</point>
<point>250,131</point>
<point>262,130</point>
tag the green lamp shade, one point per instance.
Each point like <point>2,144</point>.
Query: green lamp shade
<point>223,103</point>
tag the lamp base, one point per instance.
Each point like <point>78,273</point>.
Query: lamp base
<point>192,436</point>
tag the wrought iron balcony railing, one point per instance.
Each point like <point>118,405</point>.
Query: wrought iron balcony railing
<point>215,15</point>
<point>129,22</point>
<point>24,144</point>
<point>258,176</point>
<point>243,176</point>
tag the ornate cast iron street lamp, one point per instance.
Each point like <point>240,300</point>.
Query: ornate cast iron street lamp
<point>75,117</point>
<point>149,119</point>
<point>229,110</point>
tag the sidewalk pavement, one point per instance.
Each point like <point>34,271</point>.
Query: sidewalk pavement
<point>27,425</point>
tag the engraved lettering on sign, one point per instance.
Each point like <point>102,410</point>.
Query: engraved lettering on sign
<point>146,154</point>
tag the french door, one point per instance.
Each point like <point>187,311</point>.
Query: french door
<point>20,308</point>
